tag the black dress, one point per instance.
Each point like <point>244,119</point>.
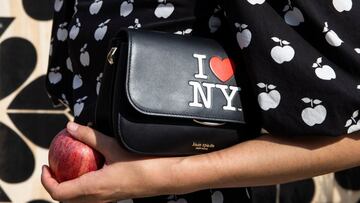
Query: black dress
<point>301,59</point>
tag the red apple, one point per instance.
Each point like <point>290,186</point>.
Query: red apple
<point>70,158</point>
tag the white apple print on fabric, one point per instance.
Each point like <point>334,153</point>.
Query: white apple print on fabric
<point>217,197</point>
<point>323,72</point>
<point>101,30</point>
<point>75,7</point>
<point>315,114</point>
<point>253,2</point>
<point>98,84</point>
<point>293,15</point>
<point>214,21</point>
<point>352,124</point>
<point>342,5</point>
<point>58,5</point>
<point>331,37</point>
<point>75,29</point>
<point>175,199</point>
<point>282,53</point>
<point>137,24</point>
<point>126,8</point>
<point>243,36</point>
<point>270,99</point>
<point>357,50</point>
<point>69,64</point>
<point>246,189</point>
<point>164,10</point>
<point>54,76</point>
<point>79,106</point>
<point>77,82</point>
<point>95,7</point>
<point>84,56</point>
<point>358,87</point>
<point>184,32</point>
<point>63,96</point>
<point>62,32</point>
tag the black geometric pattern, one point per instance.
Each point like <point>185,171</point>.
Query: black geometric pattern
<point>39,201</point>
<point>18,59</point>
<point>4,23</point>
<point>38,132</point>
<point>31,111</point>
<point>16,159</point>
<point>3,196</point>
<point>33,96</point>
<point>41,10</point>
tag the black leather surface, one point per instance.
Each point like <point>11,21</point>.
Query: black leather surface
<point>145,95</point>
<point>159,69</point>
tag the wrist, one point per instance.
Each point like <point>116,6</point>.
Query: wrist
<point>176,175</point>
<point>163,177</point>
<point>198,172</point>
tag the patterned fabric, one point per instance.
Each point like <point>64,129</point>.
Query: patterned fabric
<point>300,57</point>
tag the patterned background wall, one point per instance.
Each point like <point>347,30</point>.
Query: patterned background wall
<point>28,121</point>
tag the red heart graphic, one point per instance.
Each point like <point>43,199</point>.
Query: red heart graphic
<point>222,68</point>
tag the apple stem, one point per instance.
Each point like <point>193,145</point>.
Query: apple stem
<point>311,103</point>
<point>353,119</point>
<point>266,88</point>
<point>290,5</point>
<point>281,44</point>
<point>326,27</point>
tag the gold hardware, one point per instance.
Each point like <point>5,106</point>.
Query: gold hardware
<point>202,146</point>
<point>110,56</point>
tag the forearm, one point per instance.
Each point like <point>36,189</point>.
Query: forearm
<point>268,160</point>
<point>263,161</point>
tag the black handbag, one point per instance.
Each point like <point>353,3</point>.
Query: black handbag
<point>169,95</point>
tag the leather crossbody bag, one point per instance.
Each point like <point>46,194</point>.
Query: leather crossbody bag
<point>169,95</point>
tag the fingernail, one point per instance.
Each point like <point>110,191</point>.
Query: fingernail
<point>71,126</point>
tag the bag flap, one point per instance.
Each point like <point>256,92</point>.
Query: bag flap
<point>180,76</point>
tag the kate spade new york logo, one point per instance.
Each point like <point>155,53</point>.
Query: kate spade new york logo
<point>224,70</point>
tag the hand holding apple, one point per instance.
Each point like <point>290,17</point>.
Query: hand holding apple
<point>125,175</point>
<point>70,158</point>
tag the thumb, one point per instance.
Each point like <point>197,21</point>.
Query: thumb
<point>91,137</point>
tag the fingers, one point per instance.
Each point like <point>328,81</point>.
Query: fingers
<point>76,190</point>
<point>91,137</point>
<point>47,180</point>
<point>56,190</point>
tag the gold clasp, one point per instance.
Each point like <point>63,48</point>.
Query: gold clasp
<point>110,56</point>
